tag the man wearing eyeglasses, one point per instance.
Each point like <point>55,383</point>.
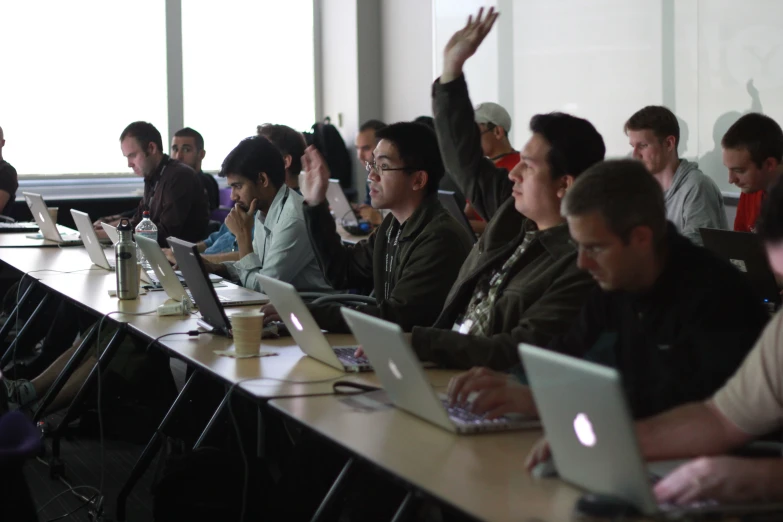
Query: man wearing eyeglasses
<point>411,260</point>
<point>675,320</point>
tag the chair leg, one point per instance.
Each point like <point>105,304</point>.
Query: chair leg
<point>151,449</point>
<point>65,374</point>
<point>337,487</point>
<point>103,362</point>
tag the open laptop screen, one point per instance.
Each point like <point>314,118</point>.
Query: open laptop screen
<point>195,274</point>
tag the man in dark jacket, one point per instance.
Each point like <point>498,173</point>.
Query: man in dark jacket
<point>412,259</point>
<point>175,207</point>
<point>674,319</point>
<point>520,282</point>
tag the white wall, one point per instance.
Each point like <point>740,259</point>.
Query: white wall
<point>340,74</point>
<point>605,59</point>
<point>406,30</point>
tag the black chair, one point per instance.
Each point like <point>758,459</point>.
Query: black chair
<point>212,190</point>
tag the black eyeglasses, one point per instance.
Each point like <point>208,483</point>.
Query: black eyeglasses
<point>369,166</point>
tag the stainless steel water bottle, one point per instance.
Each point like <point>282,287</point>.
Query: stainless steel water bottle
<point>127,269</point>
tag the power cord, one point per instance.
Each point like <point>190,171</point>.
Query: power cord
<point>190,333</point>
<point>69,490</point>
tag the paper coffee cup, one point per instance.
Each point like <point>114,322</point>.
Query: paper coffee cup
<point>246,329</point>
<point>53,213</point>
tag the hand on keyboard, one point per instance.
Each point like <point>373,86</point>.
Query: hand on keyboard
<point>721,479</point>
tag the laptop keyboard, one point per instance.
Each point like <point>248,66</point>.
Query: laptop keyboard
<point>464,416</point>
<point>345,354</point>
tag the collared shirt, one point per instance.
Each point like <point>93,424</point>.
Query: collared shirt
<point>175,198</point>
<point>281,248</point>
<point>476,319</point>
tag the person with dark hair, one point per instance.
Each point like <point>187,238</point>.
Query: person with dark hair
<point>365,143</point>
<point>693,200</point>
<point>9,181</point>
<point>753,153</point>
<point>292,145</point>
<point>520,282</point>
<point>749,406</point>
<point>221,245</point>
<point>658,317</point>
<point>175,208</point>
<point>267,220</point>
<point>187,146</point>
<point>410,261</point>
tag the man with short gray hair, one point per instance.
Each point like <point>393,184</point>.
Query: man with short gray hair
<point>675,320</point>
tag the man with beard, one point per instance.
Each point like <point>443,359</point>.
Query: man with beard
<point>279,246</point>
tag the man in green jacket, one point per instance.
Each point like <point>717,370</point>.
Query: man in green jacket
<point>520,282</point>
<point>412,259</point>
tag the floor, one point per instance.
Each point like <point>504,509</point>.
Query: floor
<point>81,456</point>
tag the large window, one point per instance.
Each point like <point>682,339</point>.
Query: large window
<point>74,74</point>
<point>246,63</point>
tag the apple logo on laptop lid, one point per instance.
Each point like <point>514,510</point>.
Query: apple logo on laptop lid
<point>296,322</point>
<point>584,430</point>
<point>395,371</point>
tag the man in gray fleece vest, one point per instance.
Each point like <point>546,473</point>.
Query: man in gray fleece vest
<point>693,200</point>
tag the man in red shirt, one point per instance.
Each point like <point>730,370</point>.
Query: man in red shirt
<point>495,124</point>
<point>753,152</point>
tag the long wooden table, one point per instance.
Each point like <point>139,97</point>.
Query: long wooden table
<point>480,475</point>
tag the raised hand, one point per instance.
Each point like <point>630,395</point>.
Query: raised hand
<point>464,43</point>
<point>316,176</point>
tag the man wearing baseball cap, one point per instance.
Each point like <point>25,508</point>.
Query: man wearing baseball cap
<point>495,124</point>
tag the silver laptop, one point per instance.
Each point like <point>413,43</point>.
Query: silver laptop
<point>306,332</point>
<point>90,239</point>
<point>590,431</point>
<point>111,232</point>
<point>49,229</point>
<point>403,378</point>
<point>164,273</point>
<point>341,207</point>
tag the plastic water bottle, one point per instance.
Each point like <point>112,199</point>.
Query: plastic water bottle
<point>147,229</point>
<point>127,272</point>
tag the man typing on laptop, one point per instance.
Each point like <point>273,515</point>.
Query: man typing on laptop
<point>747,407</point>
<point>675,320</point>
<point>172,190</point>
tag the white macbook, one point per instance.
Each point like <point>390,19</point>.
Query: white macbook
<point>306,332</point>
<point>49,229</point>
<point>90,239</point>
<point>232,296</point>
<point>403,378</point>
<point>341,207</point>
<point>111,231</point>
<point>590,431</point>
